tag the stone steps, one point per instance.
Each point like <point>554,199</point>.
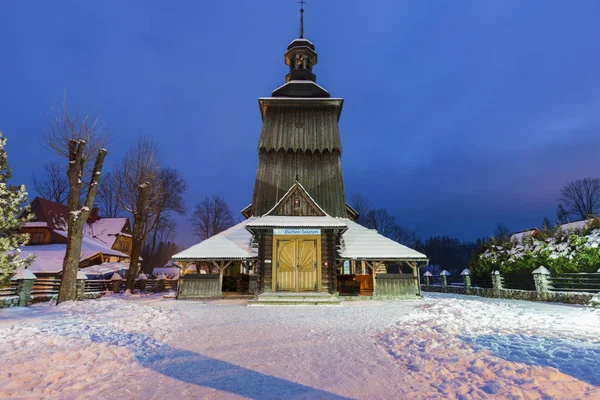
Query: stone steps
<point>295,299</point>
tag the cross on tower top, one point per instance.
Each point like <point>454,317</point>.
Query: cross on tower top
<point>302,3</point>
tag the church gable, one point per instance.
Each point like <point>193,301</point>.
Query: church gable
<point>297,202</point>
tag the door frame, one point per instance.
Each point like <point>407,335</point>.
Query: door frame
<point>317,238</point>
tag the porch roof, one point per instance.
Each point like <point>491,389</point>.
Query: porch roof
<point>231,244</point>
<point>277,221</point>
<point>360,243</point>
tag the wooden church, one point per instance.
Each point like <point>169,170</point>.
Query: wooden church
<point>300,239</point>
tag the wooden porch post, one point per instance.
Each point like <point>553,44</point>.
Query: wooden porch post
<point>221,265</point>
<point>370,265</point>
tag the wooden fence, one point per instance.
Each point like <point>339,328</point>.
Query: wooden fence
<point>581,282</point>
<point>10,290</point>
<point>25,292</point>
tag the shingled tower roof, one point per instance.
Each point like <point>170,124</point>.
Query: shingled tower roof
<point>300,138</point>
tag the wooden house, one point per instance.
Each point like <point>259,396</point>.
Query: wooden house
<point>299,232</point>
<point>105,240</point>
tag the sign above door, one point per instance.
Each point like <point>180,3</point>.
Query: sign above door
<point>292,231</point>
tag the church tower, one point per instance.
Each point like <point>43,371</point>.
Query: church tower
<point>300,138</point>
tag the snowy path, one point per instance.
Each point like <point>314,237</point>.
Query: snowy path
<point>441,347</point>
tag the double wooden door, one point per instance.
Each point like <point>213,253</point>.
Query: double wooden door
<point>296,264</point>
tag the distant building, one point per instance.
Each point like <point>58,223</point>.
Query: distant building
<point>518,237</point>
<point>580,226</point>
<point>105,240</point>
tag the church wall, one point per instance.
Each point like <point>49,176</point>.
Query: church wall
<point>266,260</point>
<point>319,173</point>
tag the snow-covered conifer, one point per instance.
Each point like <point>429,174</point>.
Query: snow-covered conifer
<point>13,200</point>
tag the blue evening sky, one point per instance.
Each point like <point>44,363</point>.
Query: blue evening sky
<point>458,114</point>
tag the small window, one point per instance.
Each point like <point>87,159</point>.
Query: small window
<point>36,238</point>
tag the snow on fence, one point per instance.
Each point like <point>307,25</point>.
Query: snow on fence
<point>582,288</point>
<point>26,288</point>
<point>10,290</point>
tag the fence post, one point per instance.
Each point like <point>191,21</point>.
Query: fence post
<point>25,279</point>
<point>540,278</point>
<point>466,274</point>
<point>116,282</point>
<point>162,282</point>
<point>497,281</point>
<point>142,278</point>
<point>81,278</point>
<point>444,274</point>
<point>427,276</point>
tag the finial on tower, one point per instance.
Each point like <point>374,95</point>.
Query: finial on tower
<point>302,3</point>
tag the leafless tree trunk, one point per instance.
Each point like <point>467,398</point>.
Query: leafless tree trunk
<point>381,220</point>
<point>140,172</point>
<point>581,198</point>
<point>79,139</point>
<point>211,216</point>
<point>109,195</point>
<point>53,185</point>
<point>170,199</point>
<point>362,206</point>
<point>77,216</point>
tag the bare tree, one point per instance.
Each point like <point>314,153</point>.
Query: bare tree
<point>79,138</point>
<point>140,172</point>
<point>502,233</point>
<point>53,184</point>
<point>211,216</point>
<point>362,206</point>
<point>381,220</point>
<point>169,201</point>
<point>110,194</point>
<point>581,198</point>
<point>405,236</point>
<point>562,216</point>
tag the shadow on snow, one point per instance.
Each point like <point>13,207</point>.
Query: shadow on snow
<point>577,358</point>
<point>197,369</point>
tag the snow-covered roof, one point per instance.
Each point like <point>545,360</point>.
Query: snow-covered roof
<point>519,236</point>
<point>49,257</point>
<point>231,244</point>
<point>35,224</point>
<point>363,243</point>
<point>106,229</point>
<point>576,226</point>
<point>93,246</point>
<point>166,271</point>
<point>104,268</point>
<point>277,221</point>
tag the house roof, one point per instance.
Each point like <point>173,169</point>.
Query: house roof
<point>519,236</point>
<point>231,244</point>
<point>50,257</point>
<point>362,243</point>
<point>577,225</point>
<point>54,214</point>
<point>105,268</point>
<point>106,229</point>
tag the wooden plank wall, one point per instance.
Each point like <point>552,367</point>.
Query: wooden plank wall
<point>199,286</point>
<point>327,275</point>
<point>306,206</point>
<point>266,253</point>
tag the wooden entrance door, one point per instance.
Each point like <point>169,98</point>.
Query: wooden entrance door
<point>307,265</point>
<point>286,265</point>
<point>296,266</point>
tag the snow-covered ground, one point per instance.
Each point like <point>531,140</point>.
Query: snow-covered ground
<point>441,347</point>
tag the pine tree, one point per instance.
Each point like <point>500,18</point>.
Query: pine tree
<point>13,214</point>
